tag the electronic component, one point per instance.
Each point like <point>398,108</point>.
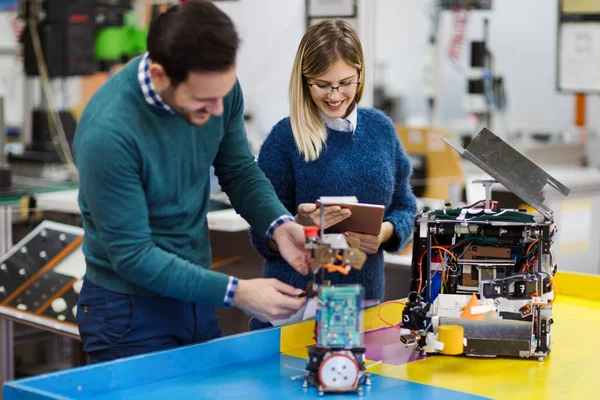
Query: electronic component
<point>496,265</point>
<point>492,290</point>
<point>337,359</point>
<point>338,316</point>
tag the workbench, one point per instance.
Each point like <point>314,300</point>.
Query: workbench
<point>63,198</point>
<point>261,364</point>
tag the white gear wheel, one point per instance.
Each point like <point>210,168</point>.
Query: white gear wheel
<point>339,372</point>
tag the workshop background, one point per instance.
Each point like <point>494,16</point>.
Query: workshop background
<point>527,70</point>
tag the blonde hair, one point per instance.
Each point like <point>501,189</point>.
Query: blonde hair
<point>322,45</point>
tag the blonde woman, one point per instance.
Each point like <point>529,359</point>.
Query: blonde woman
<point>328,146</point>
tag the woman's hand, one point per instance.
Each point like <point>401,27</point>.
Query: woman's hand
<point>370,243</point>
<point>309,214</point>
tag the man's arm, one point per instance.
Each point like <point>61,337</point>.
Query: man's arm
<point>111,187</point>
<point>251,193</point>
<point>274,162</point>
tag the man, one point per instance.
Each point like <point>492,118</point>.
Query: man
<point>144,146</point>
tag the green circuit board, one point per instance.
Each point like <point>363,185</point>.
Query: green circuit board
<point>339,316</point>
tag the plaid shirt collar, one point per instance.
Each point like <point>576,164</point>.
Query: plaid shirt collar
<point>150,94</point>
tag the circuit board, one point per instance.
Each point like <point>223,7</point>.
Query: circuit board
<point>339,316</point>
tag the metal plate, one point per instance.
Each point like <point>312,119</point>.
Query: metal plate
<point>510,168</point>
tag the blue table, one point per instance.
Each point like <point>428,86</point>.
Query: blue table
<point>248,366</point>
<point>260,365</point>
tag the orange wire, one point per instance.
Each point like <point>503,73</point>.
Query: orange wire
<point>443,265</point>
<point>446,250</point>
<point>420,273</point>
<point>527,265</point>
<point>554,292</point>
<point>421,262</point>
<point>531,245</point>
<point>334,268</point>
<point>384,304</point>
<point>552,282</point>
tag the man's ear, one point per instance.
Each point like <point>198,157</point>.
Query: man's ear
<point>160,80</point>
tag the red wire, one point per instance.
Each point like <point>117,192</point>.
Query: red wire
<point>460,17</point>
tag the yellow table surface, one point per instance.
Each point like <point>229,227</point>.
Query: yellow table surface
<point>571,370</point>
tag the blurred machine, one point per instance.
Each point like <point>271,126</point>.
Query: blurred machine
<point>118,39</point>
<point>63,39</point>
<point>460,10</point>
<point>482,277</point>
<point>485,89</point>
<point>40,279</point>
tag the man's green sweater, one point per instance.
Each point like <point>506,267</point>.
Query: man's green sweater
<point>144,191</point>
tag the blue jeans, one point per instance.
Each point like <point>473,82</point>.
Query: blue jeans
<point>114,325</point>
<point>255,325</point>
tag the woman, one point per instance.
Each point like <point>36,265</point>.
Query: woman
<point>330,147</point>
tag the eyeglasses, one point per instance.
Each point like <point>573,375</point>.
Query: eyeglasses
<point>323,90</point>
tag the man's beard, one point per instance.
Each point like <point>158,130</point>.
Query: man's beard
<point>188,116</point>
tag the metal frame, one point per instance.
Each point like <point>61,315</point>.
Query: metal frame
<point>428,226</point>
<point>426,269</point>
<point>7,343</point>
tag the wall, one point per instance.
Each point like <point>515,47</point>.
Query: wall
<point>271,31</point>
<point>522,37</point>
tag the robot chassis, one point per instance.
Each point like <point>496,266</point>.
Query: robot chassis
<point>485,272</point>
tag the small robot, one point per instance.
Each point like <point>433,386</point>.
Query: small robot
<point>337,361</point>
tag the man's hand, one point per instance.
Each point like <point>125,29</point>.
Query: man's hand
<point>290,240</point>
<point>310,214</point>
<point>370,243</point>
<point>267,299</point>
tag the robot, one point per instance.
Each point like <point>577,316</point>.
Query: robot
<point>337,361</point>
<point>482,277</point>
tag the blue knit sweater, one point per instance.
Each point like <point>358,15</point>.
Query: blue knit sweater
<point>369,164</point>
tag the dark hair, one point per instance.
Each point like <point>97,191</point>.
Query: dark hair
<point>195,36</point>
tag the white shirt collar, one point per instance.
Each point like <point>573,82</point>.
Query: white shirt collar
<point>347,124</point>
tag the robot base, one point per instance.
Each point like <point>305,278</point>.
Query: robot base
<point>336,370</point>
